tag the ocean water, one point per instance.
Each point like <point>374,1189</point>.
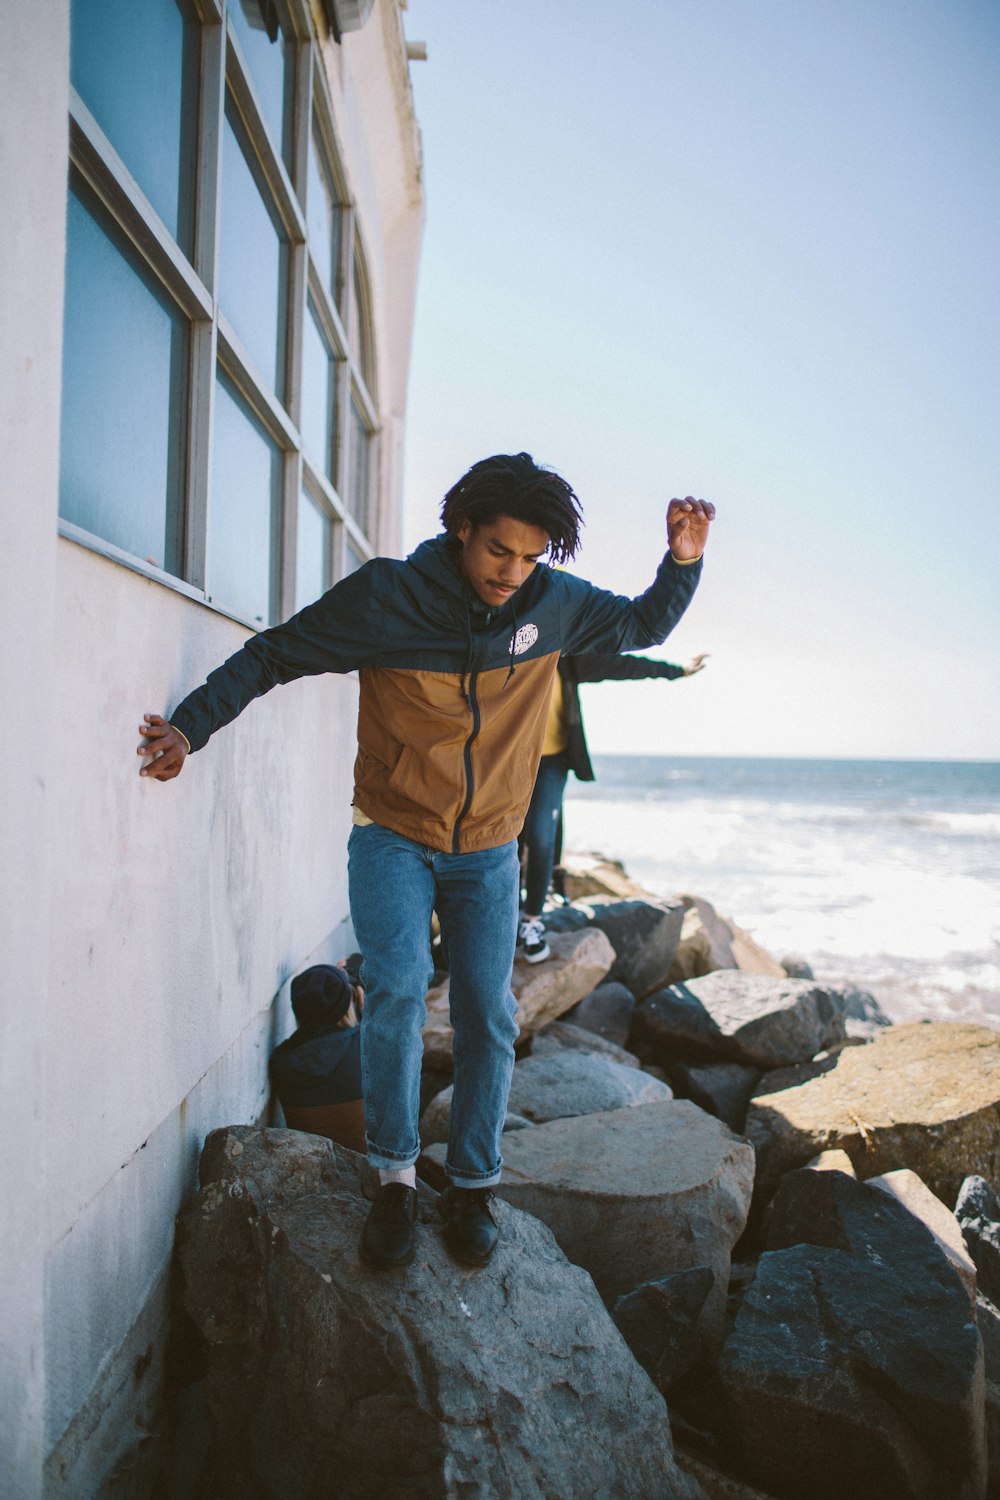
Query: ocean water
<point>883,872</point>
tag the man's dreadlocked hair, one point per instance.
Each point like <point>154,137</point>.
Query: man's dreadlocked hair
<point>512,484</point>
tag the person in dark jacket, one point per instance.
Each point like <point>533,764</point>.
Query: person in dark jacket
<point>316,1072</point>
<point>457,647</point>
<point>564,750</point>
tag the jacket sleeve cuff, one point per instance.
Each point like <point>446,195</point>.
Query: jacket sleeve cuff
<point>181,721</point>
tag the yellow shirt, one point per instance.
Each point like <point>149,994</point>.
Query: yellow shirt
<point>555,728</point>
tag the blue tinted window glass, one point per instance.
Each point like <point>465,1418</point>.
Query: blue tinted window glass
<point>267,56</point>
<point>322,217</point>
<point>136,68</point>
<point>317,395</point>
<point>123,395</point>
<point>252,260</point>
<point>312,570</point>
<point>354,559</point>
<point>358,468</point>
<point>241,508</point>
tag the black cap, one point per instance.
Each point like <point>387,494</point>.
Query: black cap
<point>321,995</point>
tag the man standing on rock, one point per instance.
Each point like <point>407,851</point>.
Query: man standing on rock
<point>457,649</point>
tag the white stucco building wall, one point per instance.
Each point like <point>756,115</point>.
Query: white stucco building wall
<point>147,930</point>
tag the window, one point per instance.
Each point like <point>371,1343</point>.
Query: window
<point>315,562</point>
<point>253,273</point>
<point>241,519</point>
<point>125,355</point>
<point>319,377</point>
<point>220,420</point>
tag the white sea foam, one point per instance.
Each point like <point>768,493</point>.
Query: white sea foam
<point>902,900</point>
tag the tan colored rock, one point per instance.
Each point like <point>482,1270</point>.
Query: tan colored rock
<point>908,1189</point>
<point>710,941</point>
<point>924,1096</point>
<point>832,1161</point>
<point>544,991</point>
<point>593,875</point>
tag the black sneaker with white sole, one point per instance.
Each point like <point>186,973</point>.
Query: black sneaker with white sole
<point>531,937</point>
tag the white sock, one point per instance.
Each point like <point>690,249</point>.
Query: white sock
<point>406,1175</point>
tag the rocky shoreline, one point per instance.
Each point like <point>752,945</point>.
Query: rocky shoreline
<point>750,1247</point>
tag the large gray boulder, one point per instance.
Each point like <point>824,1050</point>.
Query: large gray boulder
<point>644,935</point>
<point>722,1088</point>
<point>607,1011</point>
<point>854,1367</point>
<point>561,1036</point>
<point>659,1322</point>
<point>556,1086</point>
<point>924,1096</point>
<point>908,1189</point>
<point>327,1379</point>
<point>634,1195</point>
<point>734,1017</point>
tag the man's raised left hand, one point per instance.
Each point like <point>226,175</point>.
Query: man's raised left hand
<point>688,521</point>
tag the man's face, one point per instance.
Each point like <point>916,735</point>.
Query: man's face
<point>497,557</point>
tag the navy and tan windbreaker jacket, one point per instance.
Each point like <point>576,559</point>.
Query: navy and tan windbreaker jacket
<point>454,694</point>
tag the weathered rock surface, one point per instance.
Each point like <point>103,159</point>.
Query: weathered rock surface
<point>746,1018</point>
<point>923,1096</point>
<point>586,875</point>
<point>854,1368</point>
<point>644,935</point>
<point>562,1036</point>
<point>326,1379</point>
<point>977,1212</point>
<point>723,1089</point>
<point>906,1187</point>
<point>709,941</point>
<point>557,1086</point>
<point>544,991</point>
<point>659,1322</point>
<point>607,1011</point>
<point>634,1195</point>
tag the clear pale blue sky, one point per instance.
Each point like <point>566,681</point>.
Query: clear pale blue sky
<point>746,251</point>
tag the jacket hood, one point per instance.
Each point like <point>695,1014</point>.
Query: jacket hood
<point>439,561</point>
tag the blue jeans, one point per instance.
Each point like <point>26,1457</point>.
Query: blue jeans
<point>395,885</point>
<point>540,827</point>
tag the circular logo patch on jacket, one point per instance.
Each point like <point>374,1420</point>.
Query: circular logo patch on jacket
<point>526,637</point>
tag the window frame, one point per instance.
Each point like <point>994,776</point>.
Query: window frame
<point>191,286</point>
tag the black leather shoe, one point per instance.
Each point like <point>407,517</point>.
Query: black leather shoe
<point>389,1236</point>
<point>470,1230</point>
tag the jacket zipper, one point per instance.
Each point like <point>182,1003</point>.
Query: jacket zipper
<point>474,705</point>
